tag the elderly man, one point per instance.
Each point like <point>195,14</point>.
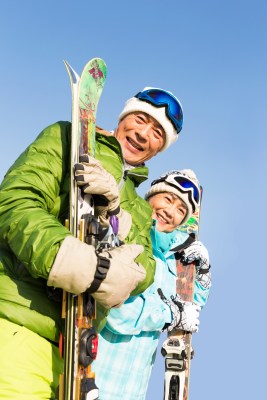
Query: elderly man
<point>36,249</point>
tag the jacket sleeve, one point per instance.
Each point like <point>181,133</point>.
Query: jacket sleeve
<point>31,201</point>
<point>145,312</point>
<point>140,233</point>
<point>202,288</point>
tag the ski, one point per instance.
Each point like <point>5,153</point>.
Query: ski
<point>177,348</point>
<point>79,341</point>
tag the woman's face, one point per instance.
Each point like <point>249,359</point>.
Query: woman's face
<point>168,209</point>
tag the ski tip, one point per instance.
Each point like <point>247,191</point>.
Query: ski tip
<point>74,77</point>
<point>97,64</point>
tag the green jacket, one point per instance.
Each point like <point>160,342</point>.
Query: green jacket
<point>34,202</point>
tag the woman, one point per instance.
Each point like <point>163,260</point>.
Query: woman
<point>128,342</point>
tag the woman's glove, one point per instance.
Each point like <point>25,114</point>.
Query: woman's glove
<point>196,252</point>
<point>185,314</point>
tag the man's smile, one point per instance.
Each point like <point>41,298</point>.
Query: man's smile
<point>134,144</point>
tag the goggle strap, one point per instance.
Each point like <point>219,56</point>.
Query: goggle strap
<point>188,191</point>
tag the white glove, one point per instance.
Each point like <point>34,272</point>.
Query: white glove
<point>95,180</point>
<point>190,317</point>
<point>185,314</point>
<point>196,252</point>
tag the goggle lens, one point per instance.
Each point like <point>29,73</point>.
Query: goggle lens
<point>164,98</point>
<point>161,98</point>
<point>187,185</point>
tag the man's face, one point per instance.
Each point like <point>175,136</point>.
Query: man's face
<point>168,210</point>
<point>140,136</point>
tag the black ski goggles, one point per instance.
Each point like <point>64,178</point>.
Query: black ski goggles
<point>160,98</point>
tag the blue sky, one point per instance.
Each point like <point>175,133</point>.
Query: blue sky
<point>212,55</point>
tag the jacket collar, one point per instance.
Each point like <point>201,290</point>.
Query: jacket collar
<point>137,174</point>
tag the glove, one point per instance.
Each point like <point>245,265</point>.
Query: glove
<point>77,265</point>
<point>123,276</point>
<point>125,222</point>
<point>185,314</point>
<point>197,252</point>
<point>95,180</point>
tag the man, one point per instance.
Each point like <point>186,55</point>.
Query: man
<point>149,123</point>
<point>37,250</point>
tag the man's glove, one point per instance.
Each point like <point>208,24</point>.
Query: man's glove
<point>185,314</point>
<point>123,276</point>
<point>77,266</point>
<point>124,222</point>
<point>95,180</point>
<point>197,252</point>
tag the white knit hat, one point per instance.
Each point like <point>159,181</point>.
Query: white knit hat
<point>159,113</point>
<point>160,185</point>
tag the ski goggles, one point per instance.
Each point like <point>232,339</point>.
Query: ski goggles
<point>160,98</point>
<point>180,182</point>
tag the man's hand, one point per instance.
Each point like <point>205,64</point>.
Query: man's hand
<point>110,276</point>
<point>95,180</point>
<point>123,276</point>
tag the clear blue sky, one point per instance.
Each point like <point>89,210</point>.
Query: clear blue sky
<point>212,55</point>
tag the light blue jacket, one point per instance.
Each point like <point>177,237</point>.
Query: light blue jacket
<point>128,343</point>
